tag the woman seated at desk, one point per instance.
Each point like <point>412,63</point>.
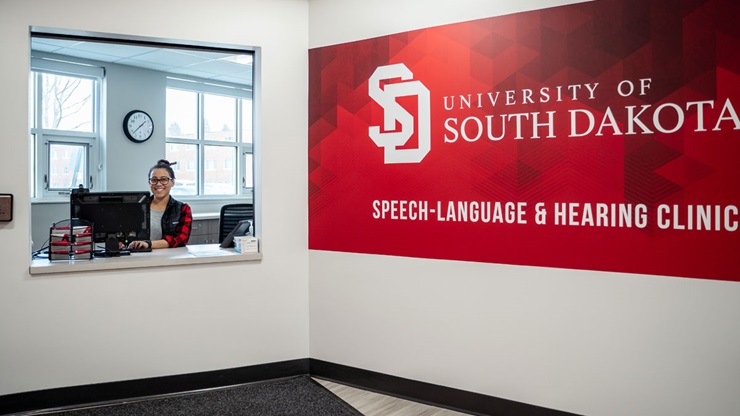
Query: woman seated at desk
<point>171,219</point>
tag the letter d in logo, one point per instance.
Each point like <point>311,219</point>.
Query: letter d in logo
<point>391,139</point>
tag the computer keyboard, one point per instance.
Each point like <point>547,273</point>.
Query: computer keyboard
<point>139,250</point>
<point>122,252</point>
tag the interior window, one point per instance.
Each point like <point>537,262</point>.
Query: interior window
<point>200,97</point>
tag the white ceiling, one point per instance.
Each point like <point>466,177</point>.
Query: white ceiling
<point>232,68</point>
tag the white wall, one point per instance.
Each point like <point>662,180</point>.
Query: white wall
<point>586,342</point>
<point>129,88</point>
<point>97,327</point>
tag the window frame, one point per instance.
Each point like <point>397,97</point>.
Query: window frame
<point>42,138</point>
<point>242,148</point>
<point>203,206</point>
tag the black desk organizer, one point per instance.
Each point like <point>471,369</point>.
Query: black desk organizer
<point>71,240</point>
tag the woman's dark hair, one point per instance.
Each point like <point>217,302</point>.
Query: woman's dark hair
<point>164,164</point>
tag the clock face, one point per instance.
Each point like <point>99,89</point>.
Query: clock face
<point>138,126</point>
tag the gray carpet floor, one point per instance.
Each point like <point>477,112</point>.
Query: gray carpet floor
<point>297,396</point>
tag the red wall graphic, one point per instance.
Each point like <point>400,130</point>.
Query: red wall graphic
<point>598,136</point>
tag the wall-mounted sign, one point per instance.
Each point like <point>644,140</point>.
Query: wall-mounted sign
<point>602,136</point>
<point>6,207</point>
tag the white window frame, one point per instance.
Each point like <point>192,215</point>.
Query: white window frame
<point>242,148</point>
<point>42,138</point>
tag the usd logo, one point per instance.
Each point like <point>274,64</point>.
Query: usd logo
<point>389,138</point>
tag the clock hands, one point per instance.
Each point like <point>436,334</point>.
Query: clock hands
<point>140,126</point>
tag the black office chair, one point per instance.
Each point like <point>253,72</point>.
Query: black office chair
<point>231,214</point>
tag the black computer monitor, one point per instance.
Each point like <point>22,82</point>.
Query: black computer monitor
<point>115,216</point>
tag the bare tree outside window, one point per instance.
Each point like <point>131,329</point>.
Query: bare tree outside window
<point>67,103</point>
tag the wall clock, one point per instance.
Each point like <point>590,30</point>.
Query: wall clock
<point>138,126</point>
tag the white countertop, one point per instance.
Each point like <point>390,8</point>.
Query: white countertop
<point>181,256</point>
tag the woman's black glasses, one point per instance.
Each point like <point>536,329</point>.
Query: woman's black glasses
<point>163,181</point>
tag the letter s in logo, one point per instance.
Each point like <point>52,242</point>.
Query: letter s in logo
<point>393,113</point>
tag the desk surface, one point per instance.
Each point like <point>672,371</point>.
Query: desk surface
<point>181,256</point>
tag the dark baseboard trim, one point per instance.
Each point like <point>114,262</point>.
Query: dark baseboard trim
<point>432,394</point>
<point>120,390</point>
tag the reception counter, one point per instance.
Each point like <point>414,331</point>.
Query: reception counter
<point>181,256</point>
